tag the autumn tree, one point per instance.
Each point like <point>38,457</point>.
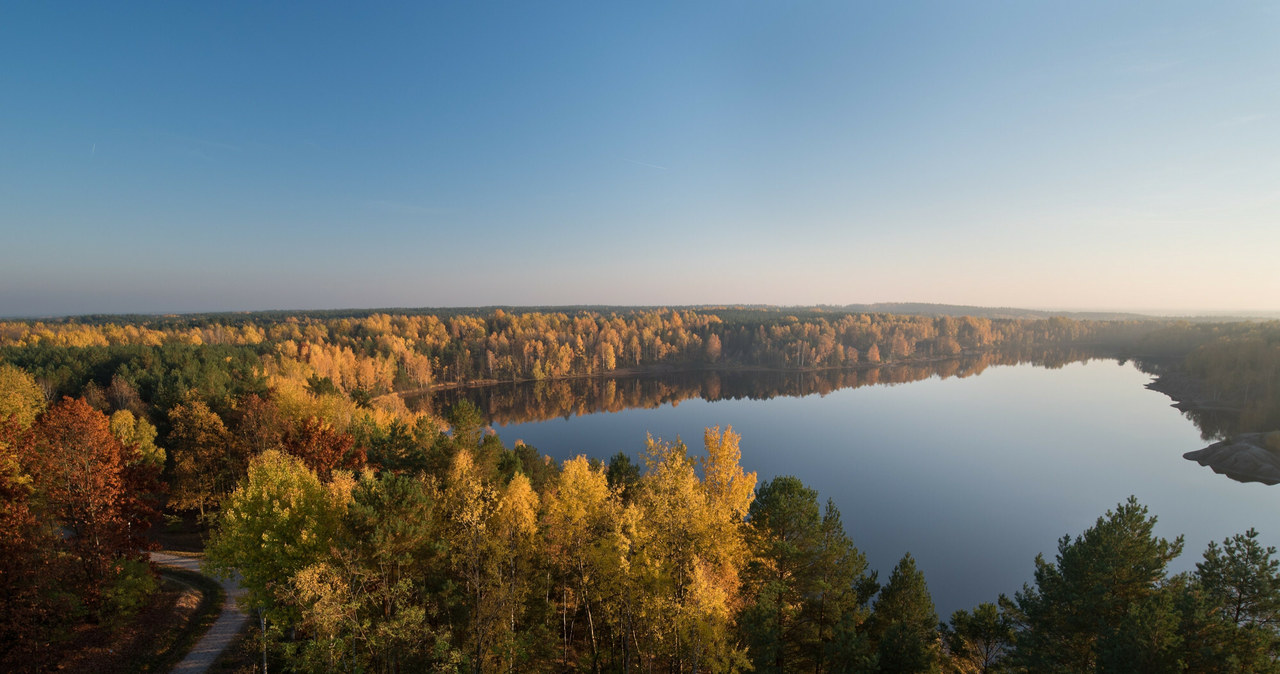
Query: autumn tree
<point>672,509</point>
<point>81,477</point>
<point>257,426</point>
<point>583,542</point>
<point>279,520</point>
<point>20,396</point>
<point>729,492</point>
<point>143,464</point>
<point>204,467</point>
<point>138,437</point>
<point>124,397</point>
<point>322,448</point>
<point>691,537</point>
<point>513,574</point>
<point>729,489</point>
<point>466,505</point>
<point>899,347</point>
<point>378,601</point>
<point>713,347</point>
<point>76,465</point>
<point>32,602</point>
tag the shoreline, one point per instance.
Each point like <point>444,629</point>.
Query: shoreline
<point>1186,392</point>
<point>672,369</point>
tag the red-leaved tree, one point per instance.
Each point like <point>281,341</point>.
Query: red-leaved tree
<point>322,448</point>
<point>99,498</point>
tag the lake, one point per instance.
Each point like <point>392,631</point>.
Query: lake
<point>972,466</point>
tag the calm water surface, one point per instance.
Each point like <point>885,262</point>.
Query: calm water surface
<point>974,476</point>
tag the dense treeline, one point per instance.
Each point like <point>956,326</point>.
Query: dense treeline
<point>363,358</point>
<point>345,370</point>
<point>380,353</point>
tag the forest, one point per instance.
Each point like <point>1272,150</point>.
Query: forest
<point>377,536</point>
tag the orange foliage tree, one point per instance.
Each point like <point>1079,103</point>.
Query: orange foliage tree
<point>99,499</point>
<point>322,448</point>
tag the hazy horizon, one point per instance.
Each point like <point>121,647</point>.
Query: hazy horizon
<point>241,157</point>
<point>1152,313</point>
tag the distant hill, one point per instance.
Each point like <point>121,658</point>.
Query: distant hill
<point>926,309</point>
<point>900,308</point>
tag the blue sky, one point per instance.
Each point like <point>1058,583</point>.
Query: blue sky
<point>236,156</point>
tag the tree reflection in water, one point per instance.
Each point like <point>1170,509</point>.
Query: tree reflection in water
<point>520,402</point>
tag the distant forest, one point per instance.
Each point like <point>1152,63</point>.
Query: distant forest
<point>409,539</point>
<point>342,366</point>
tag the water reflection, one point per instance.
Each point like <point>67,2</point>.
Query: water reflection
<point>1235,427</point>
<point>522,402</point>
<point>517,403</point>
<point>1215,419</point>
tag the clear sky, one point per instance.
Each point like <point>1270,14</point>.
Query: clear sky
<point>181,156</point>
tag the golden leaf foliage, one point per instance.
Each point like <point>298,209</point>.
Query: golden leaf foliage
<point>279,521</point>
<point>138,436</point>
<point>204,468</point>
<point>20,396</point>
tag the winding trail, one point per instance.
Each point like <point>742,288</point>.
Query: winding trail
<point>224,629</point>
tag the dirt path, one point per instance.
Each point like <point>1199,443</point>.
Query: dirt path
<point>224,629</point>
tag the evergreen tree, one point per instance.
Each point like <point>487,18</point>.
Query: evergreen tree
<point>623,475</point>
<point>1242,578</point>
<point>903,625</point>
<point>1230,608</point>
<point>1100,597</point>
<point>808,581</point>
<point>977,642</point>
<point>468,425</point>
<point>378,601</point>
